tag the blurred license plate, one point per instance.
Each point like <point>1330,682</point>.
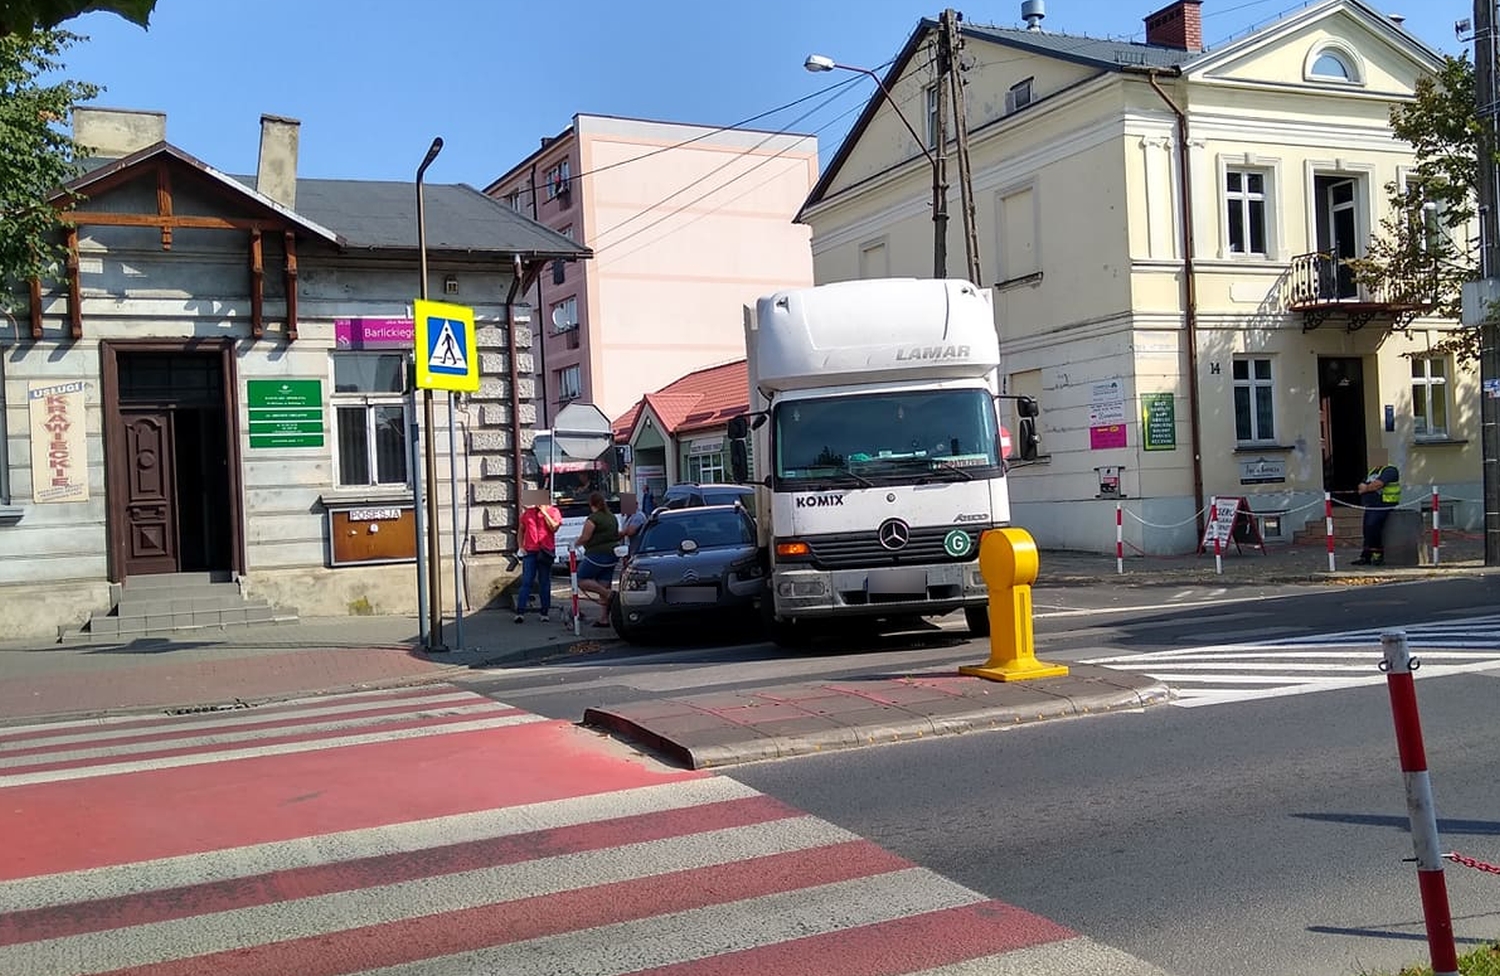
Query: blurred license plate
<point>903,582</point>
<point>691,594</point>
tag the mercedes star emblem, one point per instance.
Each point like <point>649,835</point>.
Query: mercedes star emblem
<point>893,534</point>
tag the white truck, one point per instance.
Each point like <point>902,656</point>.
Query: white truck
<point>878,446</point>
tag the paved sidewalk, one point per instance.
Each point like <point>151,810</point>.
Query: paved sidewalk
<point>215,667</point>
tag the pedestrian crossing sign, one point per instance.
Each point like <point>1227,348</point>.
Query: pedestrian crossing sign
<point>445,353</point>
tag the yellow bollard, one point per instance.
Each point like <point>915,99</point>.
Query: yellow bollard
<point>1008,561</point>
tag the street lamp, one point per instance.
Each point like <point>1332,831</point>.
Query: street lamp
<point>818,63</point>
<point>434,552</point>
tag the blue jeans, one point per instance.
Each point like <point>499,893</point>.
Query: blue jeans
<point>536,570</point>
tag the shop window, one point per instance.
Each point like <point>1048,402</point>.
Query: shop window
<point>706,468</point>
<point>369,418</point>
<point>1429,396</point>
<point>1254,402</point>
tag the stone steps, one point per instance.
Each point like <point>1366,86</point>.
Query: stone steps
<point>171,603</point>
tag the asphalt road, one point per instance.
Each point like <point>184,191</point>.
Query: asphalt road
<point>1247,839</point>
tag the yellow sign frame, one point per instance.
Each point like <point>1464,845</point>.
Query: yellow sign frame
<point>444,331</point>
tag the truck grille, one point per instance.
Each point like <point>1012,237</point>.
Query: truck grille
<point>862,550</point>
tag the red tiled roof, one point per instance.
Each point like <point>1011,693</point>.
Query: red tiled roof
<point>703,398</point>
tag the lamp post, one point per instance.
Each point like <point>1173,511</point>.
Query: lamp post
<point>818,63</point>
<point>434,548</point>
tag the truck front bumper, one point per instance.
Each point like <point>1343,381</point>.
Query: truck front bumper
<point>930,590</point>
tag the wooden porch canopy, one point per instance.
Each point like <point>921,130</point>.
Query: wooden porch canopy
<point>263,216</point>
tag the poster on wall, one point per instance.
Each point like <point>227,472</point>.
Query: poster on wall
<point>1107,415</point>
<point>59,442</point>
<point>1158,422</point>
<point>285,413</point>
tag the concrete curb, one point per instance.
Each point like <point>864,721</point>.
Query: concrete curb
<point>716,744</point>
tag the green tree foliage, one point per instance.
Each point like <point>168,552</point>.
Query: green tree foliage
<point>37,155</point>
<point>24,16</point>
<point>1423,253</point>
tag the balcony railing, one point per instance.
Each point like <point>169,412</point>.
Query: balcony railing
<point>1321,286</point>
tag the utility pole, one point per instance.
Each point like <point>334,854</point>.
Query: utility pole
<point>949,26</point>
<point>1489,265</point>
<point>940,156</point>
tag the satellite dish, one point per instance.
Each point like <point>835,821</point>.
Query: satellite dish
<point>560,318</point>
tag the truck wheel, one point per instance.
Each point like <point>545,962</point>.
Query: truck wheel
<point>783,633</point>
<point>978,619</point>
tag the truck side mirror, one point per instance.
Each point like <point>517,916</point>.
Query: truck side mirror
<point>1027,437</point>
<point>1026,407</point>
<point>739,428</point>
<point>739,459</point>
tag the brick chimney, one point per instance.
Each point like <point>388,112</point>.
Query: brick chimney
<point>276,171</point>
<point>1178,25</point>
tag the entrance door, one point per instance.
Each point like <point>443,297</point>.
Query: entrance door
<point>1341,396</point>
<point>171,486</point>
<point>150,509</point>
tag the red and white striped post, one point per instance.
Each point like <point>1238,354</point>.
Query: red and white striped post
<point>1119,539</point>
<point>1328,525</point>
<point>1218,556</point>
<point>573,578</point>
<point>1437,541</point>
<point>1398,666</point>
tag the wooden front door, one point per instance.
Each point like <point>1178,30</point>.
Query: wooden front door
<point>150,503</point>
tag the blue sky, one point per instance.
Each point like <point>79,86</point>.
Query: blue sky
<point>374,80</point>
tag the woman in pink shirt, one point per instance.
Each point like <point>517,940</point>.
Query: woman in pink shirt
<point>539,525</point>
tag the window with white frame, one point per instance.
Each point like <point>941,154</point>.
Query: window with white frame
<point>1254,401</point>
<point>1245,211</point>
<point>369,418</point>
<point>565,315</point>
<point>706,468</point>
<point>513,200</point>
<point>569,383</point>
<point>557,180</point>
<point>1019,95</point>
<point>1429,396</point>
<point>933,109</point>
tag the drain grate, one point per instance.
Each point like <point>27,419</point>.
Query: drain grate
<point>233,706</point>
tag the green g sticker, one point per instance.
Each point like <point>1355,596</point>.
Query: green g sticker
<point>957,543</point>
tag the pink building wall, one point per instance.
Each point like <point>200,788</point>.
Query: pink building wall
<point>682,238</point>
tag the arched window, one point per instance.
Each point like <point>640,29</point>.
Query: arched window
<point>1330,65</point>
<point>1335,62</point>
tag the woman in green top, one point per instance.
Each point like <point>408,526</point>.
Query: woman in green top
<point>596,571</point>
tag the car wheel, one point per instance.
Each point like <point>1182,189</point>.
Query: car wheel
<point>628,633</point>
<point>978,619</point>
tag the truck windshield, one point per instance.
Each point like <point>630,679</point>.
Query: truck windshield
<point>888,437</point>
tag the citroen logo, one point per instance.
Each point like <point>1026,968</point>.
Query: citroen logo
<point>690,576</point>
<point>893,534</point>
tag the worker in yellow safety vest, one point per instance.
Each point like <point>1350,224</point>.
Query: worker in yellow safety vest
<point>1380,492</point>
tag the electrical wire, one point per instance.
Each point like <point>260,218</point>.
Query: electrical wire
<point>598,243</point>
<point>710,192</point>
<point>718,129</point>
<point>695,218</point>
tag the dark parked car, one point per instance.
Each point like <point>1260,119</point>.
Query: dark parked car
<point>691,563</point>
<point>691,495</point>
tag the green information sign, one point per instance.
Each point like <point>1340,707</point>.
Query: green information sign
<point>1158,422</point>
<point>285,413</point>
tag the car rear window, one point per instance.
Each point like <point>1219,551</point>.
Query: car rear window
<point>709,530</point>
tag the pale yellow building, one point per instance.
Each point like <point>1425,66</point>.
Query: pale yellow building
<point>1257,353</point>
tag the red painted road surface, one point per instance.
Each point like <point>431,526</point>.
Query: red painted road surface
<point>434,831</point>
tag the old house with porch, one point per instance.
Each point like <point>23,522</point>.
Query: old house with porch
<point>207,421</point>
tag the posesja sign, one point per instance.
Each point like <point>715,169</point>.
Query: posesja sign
<point>59,442</point>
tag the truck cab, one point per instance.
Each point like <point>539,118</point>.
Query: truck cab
<point>878,450</point>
